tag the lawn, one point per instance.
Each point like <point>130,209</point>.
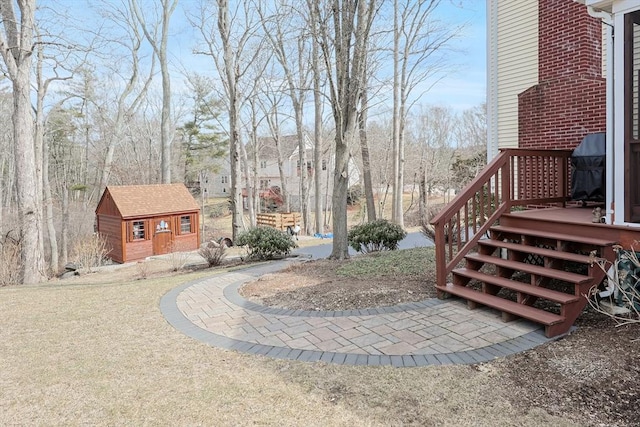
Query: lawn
<point>102,354</point>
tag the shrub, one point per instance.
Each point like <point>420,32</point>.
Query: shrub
<point>621,299</point>
<point>10,262</point>
<point>90,252</point>
<point>375,236</point>
<point>354,194</point>
<point>177,258</point>
<point>214,255</point>
<point>265,243</point>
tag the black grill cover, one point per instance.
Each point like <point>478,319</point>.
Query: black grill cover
<point>588,165</point>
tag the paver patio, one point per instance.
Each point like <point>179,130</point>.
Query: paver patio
<point>430,332</point>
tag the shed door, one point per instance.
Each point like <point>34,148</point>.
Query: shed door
<point>632,116</point>
<point>162,236</point>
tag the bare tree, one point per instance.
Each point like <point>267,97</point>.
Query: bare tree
<point>318,97</point>
<point>345,52</point>
<point>6,157</point>
<point>160,50</point>
<point>432,132</point>
<point>134,85</point>
<point>229,47</point>
<point>294,58</point>
<point>270,104</point>
<point>366,159</point>
<point>16,47</point>
<point>419,42</point>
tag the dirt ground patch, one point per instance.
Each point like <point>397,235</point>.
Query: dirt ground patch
<point>591,376</point>
<point>317,285</point>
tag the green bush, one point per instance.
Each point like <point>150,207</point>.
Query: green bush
<point>375,236</point>
<point>265,242</point>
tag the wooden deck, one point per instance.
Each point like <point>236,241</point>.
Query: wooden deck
<point>572,220</point>
<point>515,218</point>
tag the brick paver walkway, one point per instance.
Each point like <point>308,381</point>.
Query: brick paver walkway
<point>431,332</point>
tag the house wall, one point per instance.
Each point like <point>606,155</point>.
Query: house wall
<point>569,100</point>
<point>512,60</point>
<point>115,231</point>
<point>111,228</point>
<point>140,249</point>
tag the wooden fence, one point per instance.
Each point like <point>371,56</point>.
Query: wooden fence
<point>279,220</point>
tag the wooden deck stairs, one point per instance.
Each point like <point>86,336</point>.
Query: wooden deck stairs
<point>528,273</point>
<point>509,240</point>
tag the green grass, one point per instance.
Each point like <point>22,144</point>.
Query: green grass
<point>409,262</point>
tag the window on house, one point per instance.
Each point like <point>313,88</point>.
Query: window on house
<point>263,164</point>
<point>324,165</point>
<point>138,230</point>
<point>185,224</point>
<point>225,179</point>
<point>264,184</point>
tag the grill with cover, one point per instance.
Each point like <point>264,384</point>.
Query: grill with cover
<point>588,165</point>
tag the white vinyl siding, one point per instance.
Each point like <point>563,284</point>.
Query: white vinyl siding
<point>513,55</point>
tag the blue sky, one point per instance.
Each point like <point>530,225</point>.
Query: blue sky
<point>465,86</point>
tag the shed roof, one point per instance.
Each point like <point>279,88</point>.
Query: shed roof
<point>150,200</point>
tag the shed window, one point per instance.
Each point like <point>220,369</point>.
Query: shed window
<point>138,229</point>
<point>185,224</point>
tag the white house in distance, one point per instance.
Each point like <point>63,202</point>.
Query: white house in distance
<point>269,175</point>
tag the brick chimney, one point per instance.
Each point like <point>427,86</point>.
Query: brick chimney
<point>569,100</point>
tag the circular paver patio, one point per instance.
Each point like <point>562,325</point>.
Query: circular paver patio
<point>431,332</point>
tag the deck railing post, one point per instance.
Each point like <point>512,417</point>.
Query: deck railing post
<point>505,183</point>
<point>515,169</point>
<point>441,259</point>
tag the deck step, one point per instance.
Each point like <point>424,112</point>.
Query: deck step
<point>539,316</point>
<point>536,250</point>
<point>552,236</point>
<point>551,273</point>
<point>537,291</point>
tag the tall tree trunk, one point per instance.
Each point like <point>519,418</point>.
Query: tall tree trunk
<point>304,172</point>
<point>366,163</point>
<point>166,134</point>
<point>254,165</point>
<point>283,189</point>
<point>396,205</point>
<point>65,224</point>
<point>351,28</point>
<point>17,48</point>
<point>339,199</point>
<point>41,144</point>
<point>248,179</point>
<point>51,229</point>
<point>160,50</point>
<point>230,71</point>
<point>3,162</point>
<point>317,137</point>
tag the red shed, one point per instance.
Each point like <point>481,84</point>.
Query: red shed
<point>143,220</point>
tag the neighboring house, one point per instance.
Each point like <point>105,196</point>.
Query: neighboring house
<point>269,175</point>
<point>144,220</point>
<point>547,65</point>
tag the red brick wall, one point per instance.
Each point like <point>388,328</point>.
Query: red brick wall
<point>569,100</point>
